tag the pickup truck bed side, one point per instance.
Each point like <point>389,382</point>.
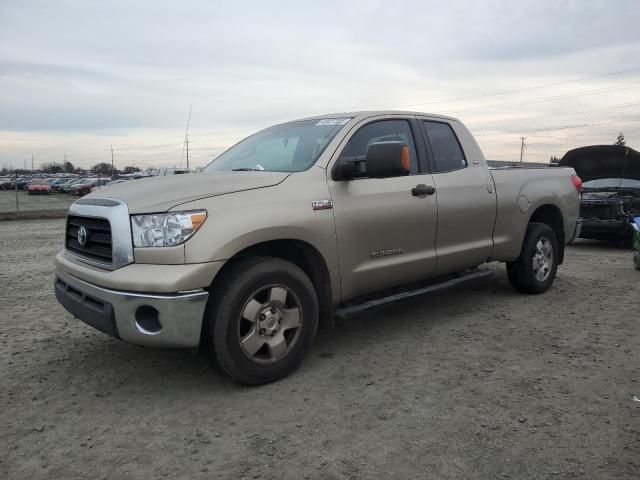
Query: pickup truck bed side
<point>522,196</point>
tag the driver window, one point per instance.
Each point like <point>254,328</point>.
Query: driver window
<point>381,131</point>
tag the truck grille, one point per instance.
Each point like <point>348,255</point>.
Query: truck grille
<point>97,244</point>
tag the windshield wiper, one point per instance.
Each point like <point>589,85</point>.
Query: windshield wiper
<point>247,169</point>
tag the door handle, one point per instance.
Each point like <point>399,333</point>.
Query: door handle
<point>422,189</point>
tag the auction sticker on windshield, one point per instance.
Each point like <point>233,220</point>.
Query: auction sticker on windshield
<point>333,121</point>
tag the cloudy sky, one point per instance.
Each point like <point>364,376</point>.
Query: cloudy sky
<point>78,76</point>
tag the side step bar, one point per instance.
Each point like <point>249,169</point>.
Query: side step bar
<point>468,277</point>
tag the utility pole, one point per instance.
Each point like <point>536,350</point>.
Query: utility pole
<point>522,148</point>
<point>112,169</point>
<point>32,162</point>
<point>186,139</point>
<point>187,142</point>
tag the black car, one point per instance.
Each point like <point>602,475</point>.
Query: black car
<point>610,189</point>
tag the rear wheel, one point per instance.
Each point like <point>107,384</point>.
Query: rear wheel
<point>261,319</point>
<point>535,269</point>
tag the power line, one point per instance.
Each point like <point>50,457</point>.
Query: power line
<point>557,114</point>
<point>549,99</point>
<point>567,127</point>
<point>563,127</point>
<point>507,92</point>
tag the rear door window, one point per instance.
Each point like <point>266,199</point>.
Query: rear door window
<point>446,150</point>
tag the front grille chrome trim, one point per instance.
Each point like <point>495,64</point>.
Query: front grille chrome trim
<point>116,213</point>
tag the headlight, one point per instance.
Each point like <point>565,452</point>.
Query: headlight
<point>165,229</point>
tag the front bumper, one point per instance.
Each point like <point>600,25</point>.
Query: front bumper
<point>603,229</point>
<point>151,319</point>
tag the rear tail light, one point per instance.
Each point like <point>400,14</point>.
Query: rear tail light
<point>577,182</point>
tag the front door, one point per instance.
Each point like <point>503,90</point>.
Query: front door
<point>386,230</point>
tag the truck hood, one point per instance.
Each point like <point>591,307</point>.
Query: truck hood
<point>603,161</point>
<point>159,194</point>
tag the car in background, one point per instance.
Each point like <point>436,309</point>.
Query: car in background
<point>58,182</point>
<point>85,187</point>
<point>165,172</point>
<point>19,183</point>
<point>66,187</point>
<point>15,182</point>
<point>5,183</point>
<point>109,183</point>
<point>39,186</point>
<point>610,190</point>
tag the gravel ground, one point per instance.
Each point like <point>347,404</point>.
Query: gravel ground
<point>479,382</point>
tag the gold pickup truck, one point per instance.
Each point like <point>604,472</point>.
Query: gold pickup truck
<point>302,221</point>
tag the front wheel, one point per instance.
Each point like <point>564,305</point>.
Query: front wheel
<point>535,269</point>
<point>261,319</point>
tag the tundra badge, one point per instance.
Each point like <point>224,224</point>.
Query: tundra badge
<point>386,253</point>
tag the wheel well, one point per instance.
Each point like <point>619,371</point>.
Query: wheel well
<point>552,216</point>
<point>307,258</point>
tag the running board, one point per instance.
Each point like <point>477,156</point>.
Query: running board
<point>474,275</point>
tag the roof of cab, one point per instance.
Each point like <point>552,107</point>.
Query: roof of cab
<point>372,113</point>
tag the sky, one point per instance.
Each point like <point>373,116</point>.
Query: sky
<point>78,77</point>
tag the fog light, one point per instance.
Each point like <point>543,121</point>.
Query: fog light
<point>147,320</point>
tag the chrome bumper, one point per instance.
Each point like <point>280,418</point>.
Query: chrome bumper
<point>158,320</point>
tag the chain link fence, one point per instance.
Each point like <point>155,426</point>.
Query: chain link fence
<point>18,201</point>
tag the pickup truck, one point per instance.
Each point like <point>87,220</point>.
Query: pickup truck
<point>301,221</point>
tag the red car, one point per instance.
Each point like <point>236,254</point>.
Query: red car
<point>39,187</point>
<point>85,187</point>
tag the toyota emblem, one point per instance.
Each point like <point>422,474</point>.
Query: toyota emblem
<point>83,236</point>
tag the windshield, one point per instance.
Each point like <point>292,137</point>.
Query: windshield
<point>290,147</point>
<point>611,183</point>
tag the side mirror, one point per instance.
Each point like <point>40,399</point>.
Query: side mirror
<point>382,160</point>
<point>388,159</point>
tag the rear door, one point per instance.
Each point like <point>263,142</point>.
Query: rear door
<point>465,197</point>
<point>385,235</point>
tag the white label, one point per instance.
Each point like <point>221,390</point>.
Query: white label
<point>333,121</point>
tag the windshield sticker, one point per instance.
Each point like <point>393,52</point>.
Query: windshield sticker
<point>333,121</point>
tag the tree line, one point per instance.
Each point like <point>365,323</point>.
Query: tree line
<point>101,168</point>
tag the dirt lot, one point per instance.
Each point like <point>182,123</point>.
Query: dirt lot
<point>479,382</point>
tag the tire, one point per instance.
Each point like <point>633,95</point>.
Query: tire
<point>257,303</point>
<point>540,246</point>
